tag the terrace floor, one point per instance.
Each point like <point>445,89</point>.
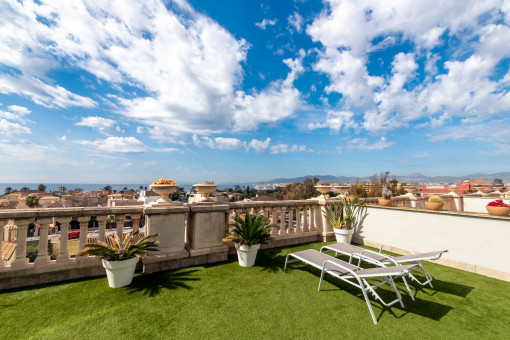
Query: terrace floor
<point>227,301</point>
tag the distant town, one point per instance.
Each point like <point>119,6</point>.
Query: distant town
<point>26,198</point>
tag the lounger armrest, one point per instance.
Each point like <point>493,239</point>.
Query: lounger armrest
<point>393,246</point>
<point>339,265</point>
<point>387,257</point>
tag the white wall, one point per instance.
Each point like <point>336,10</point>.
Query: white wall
<point>477,204</point>
<point>476,243</point>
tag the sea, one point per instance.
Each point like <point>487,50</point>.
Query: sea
<point>71,186</point>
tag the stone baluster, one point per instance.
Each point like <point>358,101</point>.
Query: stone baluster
<point>274,220</point>
<point>296,220</point>
<point>119,221</point>
<point>306,225</point>
<point>311,218</point>
<point>63,254</point>
<point>21,259</point>
<point>84,224</point>
<point>135,218</point>
<point>42,254</point>
<point>3,222</point>
<point>290,229</point>
<point>101,222</point>
<point>283,230</point>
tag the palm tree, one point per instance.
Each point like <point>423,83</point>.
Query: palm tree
<point>41,187</point>
<point>24,189</point>
<point>62,189</point>
<point>108,188</point>
<point>32,201</point>
<point>8,190</point>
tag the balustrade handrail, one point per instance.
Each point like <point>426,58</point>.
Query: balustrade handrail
<point>75,212</point>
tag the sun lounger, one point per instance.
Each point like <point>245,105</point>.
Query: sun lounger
<point>352,274</point>
<point>380,259</point>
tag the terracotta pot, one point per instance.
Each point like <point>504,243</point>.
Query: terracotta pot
<point>498,211</point>
<point>434,206</point>
<point>386,203</point>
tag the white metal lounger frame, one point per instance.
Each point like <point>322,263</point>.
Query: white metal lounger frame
<point>368,259</point>
<point>361,281</point>
<point>428,277</point>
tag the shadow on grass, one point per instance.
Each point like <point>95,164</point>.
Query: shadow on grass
<point>153,284</point>
<point>428,309</point>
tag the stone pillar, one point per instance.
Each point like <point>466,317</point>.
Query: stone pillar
<point>101,222</point>
<point>327,229</point>
<point>63,254</point>
<point>169,223</point>
<point>135,218</point>
<point>317,216</point>
<point>3,222</point>
<point>274,231</point>
<point>304,217</point>
<point>119,221</point>
<point>84,224</point>
<point>283,231</point>
<point>21,259</point>
<point>290,227</point>
<point>205,230</point>
<point>42,255</point>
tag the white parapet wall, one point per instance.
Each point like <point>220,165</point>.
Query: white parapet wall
<point>477,204</point>
<point>476,243</point>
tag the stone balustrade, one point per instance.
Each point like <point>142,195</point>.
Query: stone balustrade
<point>189,234</point>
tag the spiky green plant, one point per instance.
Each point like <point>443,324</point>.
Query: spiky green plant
<point>343,215</point>
<point>334,213</point>
<point>121,249</point>
<point>435,199</point>
<point>254,229</point>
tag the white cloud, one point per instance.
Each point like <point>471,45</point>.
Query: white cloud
<point>103,125</point>
<point>363,144</point>
<point>139,130</point>
<point>259,145</point>
<point>296,21</point>
<point>15,112</point>
<point>24,150</point>
<point>8,128</point>
<point>221,143</point>
<point>63,138</point>
<point>265,22</point>
<point>284,148</point>
<point>116,144</point>
<point>146,47</point>
<point>336,121</point>
<point>466,85</point>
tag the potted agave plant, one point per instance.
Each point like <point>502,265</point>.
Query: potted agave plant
<point>434,203</point>
<point>120,256</point>
<point>386,200</point>
<point>342,216</point>
<point>248,234</point>
<point>498,208</point>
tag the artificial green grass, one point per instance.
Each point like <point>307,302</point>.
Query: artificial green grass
<point>226,301</point>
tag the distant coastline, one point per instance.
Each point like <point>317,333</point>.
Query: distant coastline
<point>70,186</point>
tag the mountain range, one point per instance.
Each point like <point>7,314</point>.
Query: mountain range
<point>411,178</point>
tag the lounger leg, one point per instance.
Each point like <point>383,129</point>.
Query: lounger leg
<point>286,259</point>
<point>320,281</point>
<point>392,284</point>
<point>368,303</point>
<point>408,289</point>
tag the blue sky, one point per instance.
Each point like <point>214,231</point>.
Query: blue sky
<point>129,91</point>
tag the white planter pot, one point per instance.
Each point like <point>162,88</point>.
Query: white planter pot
<point>247,254</point>
<point>343,235</point>
<point>120,273</point>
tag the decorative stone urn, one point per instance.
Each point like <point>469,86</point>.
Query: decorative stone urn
<point>323,189</point>
<point>498,211</point>
<point>164,190</point>
<point>434,206</point>
<point>384,202</point>
<point>343,235</point>
<point>205,189</point>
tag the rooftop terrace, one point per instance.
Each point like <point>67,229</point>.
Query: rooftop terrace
<point>224,300</point>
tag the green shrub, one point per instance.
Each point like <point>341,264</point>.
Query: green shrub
<point>32,251</point>
<point>435,199</point>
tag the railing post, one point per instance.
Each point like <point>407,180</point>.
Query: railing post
<point>21,259</point>
<point>63,254</point>
<point>290,226</point>
<point>84,224</point>
<point>135,219</point>
<point>42,254</point>
<point>3,222</point>
<point>119,222</point>
<point>101,222</point>
<point>274,230</point>
<point>304,218</point>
